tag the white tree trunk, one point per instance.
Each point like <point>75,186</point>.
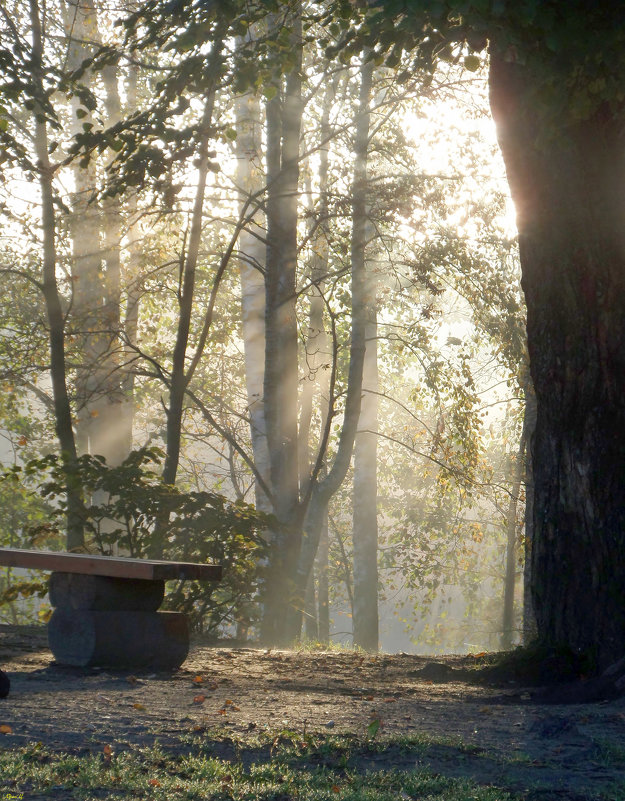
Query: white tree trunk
<point>250,182</point>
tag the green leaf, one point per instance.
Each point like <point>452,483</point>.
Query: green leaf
<point>269,92</point>
<point>472,63</point>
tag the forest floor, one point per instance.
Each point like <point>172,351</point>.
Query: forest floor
<point>370,713</point>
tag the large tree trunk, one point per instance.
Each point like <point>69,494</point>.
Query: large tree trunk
<point>567,176</point>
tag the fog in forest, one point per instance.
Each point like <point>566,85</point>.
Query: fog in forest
<point>261,307</point>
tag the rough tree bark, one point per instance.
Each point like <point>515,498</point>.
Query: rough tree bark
<point>529,422</point>
<point>566,172</point>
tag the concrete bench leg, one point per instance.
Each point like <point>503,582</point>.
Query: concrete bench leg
<point>119,639</point>
<point>113,622</point>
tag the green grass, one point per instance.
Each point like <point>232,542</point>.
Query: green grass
<point>284,766</point>
<point>609,753</point>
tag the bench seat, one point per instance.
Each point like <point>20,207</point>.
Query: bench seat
<point>106,608</point>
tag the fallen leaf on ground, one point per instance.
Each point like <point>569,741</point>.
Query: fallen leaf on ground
<point>4,729</point>
<point>154,783</point>
<point>140,707</point>
<point>131,679</point>
<point>198,680</point>
<point>199,699</point>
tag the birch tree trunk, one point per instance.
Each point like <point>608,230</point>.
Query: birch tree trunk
<point>88,323</point>
<point>250,180</point>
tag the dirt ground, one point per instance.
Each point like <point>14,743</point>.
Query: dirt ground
<point>500,735</point>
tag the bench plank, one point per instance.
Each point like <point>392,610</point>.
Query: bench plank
<point>117,567</point>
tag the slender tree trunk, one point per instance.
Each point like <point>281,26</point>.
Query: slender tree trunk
<point>179,379</point>
<point>311,625</point>
<point>250,179</point>
<point>317,356</point>
<point>56,321</point>
<point>88,324</point>
<point>133,287</point>
<point>112,429</point>
<point>365,491</point>
<point>516,472</point>
<point>323,589</point>
<point>567,186</point>
<point>284,118</point>
<point>324,489</point>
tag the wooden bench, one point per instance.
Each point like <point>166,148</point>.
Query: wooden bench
<point>106,608</point>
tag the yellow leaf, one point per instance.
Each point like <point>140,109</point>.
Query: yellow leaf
<point>198,680</point>
<point>140,707</point>
<point>107,753</point>
<point>4,729</point>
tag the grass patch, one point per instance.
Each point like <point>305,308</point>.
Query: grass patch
<point>285,766</point>
<point>314,646</point>
<point>609,753</point>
